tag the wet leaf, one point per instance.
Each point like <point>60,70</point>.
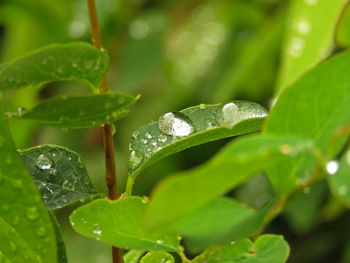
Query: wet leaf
<point>157,257</point>
<point>76,112</point>
<point>315,113</point>
<point>266,249</point>
<point>26,233</point>
<point>61,247</point>
<point>76,61</point>
<point>235,164</point>
<point>309,37</point>
<point>59,174</point>
<point>133,256</point>
<point>340,178</point>
<point>177,131</point>
<point>119,223</point>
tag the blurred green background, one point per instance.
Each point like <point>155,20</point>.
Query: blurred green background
<point>175,53</point>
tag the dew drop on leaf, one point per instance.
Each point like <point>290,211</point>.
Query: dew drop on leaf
<point>175,124</point>
<point>32,213</point>
<point>332,167</point>
<point>40,232</point>
<point>135,160</point>
<point>43,162</point>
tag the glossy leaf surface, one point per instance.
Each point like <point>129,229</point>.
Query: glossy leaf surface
<point>26,233</point>
<point>157,257</point>
<point>77,61</point>
<point>266,249</point>
<point>242,158</point>
<point>76,112</point>
<point>59,174</point>
<point>309,37</point>
<point>119,223</point>
<point>314,107</point>
<point>178,131</point>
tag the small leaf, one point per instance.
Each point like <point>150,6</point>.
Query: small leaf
<point>26,233</point>
<point>133,256</point>
<point>84,111</point>
<point>118,223</point>
<point>235,164</point>
<point>177,131</point>
<point>157,257</point>
<point>221,220</point>
<point>309,37</point>
<point>76,61</point>
<point>315,113</point>
<point>61,247</point>
<point>59,174</point>
<point>266,249</point>
<point>340,178</point>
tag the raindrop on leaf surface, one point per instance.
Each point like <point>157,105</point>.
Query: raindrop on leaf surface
<point>175,124</point>
<point>43,162</point>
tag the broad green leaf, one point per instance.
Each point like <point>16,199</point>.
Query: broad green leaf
<point>119,223</point>
<point>309,37</point>
<point>235,164</point>
<point>157,257</point>
<point>220,221</point>
<point>314,107</point>
<point>266,249</point>
<point>133,256</point>
<point>177,131</point>
<point>26,233</point>
<point>342,34</point>
<point>61,248</point>
<point>76,61</point>
<point>59,174</point>
<point>83,111</point>
<point>340,178</point>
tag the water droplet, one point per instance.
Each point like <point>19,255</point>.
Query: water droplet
<point>5,208</point>
<point>67,185</point>
<point>332,167</point>
<point>175,124</point>
<point>296,47</point>
<point>40,232</point>
<point>149,136</point>
<point>165,260</point>
<point>32,213</point>
<point>162,138</point>
<point>233,242</point>
<point>311,2</point>
<point>154,144</point>
<point>21,111</point>
<point>144,141</point>
<point>160,241</point>
<point>43,162</point>
<point>342,190</point>
<point>17,183</point>
<point>303,27</point>
<point>135,160</point>
<point>97,230</point>
<point>13,247</point>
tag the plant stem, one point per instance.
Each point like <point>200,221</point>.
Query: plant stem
<point>111,179</point>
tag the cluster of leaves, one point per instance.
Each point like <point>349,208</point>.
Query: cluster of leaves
<point>303,140</point>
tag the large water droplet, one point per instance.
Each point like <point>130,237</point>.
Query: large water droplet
<point>32,213</point>
<point>332,167</point>
<point>236,111</point>
<point>175,124</point>
<point>135,160</point>
<point>43,162</point>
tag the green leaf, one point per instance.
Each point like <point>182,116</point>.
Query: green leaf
<point>83,111</point>
<point>266,249</point>
<point>342,34</point>
<point>340,179</point>
<point>178,131</point>
<point>118,223</point>
<point>314,107</point>
<point>59,174</point>
<point>76,61</point>
<point>309,37</point>
<point>61,248</point>
<point>235,164</point>
<point>26,233</point>
<point>133,256</point>
<point>220,221</point>
<point>157,257</point>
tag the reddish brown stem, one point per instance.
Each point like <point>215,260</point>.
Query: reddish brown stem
<point>111,179</point>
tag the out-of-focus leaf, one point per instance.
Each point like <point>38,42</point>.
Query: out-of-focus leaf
<point>59,174</point>
<point>340,178</point>
<point>61,247</point>
<point>26,233</point>
<point>309,37</point>
<point>314,107</point>
<point>220,221</point>
<point>177,131</point>
<point>77,112</point>
<point>77,61</point>
<point>133,256</point>
<point>266,249</point>
<point>235,164</point>
<point>157,257</point>
<point>119,223</point>
<point>342,34</point>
